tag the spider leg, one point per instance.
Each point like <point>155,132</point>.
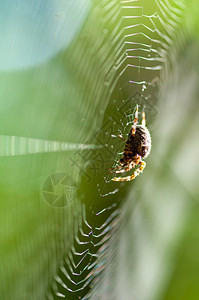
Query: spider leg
<point>128,168</point>
<point>112,170</point>
<point>135,121</point>
<point>143,119</point>
<point>135,174</point>
<point>120,136</point>
<point>117,168</point>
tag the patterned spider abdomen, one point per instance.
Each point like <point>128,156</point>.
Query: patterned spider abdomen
<point>139,143</point>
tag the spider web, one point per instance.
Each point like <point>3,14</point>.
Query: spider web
<point>140,44</point>
<point>117,60</point>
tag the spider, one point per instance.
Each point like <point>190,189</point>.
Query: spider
<point>137,147</point>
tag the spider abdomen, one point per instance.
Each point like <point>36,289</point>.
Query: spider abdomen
<point>139,143</point>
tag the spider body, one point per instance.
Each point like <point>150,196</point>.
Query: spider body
<point>138,143</point>
<point>137,147</point>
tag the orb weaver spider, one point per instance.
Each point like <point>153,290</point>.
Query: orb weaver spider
<point>137,147</point>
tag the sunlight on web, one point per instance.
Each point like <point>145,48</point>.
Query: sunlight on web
<point>81,265</point>
<point>140,46</point>
<point>17,145</point>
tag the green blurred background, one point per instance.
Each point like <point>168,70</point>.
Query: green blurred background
<point>71,73</point>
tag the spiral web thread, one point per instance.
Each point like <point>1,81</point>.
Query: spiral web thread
<point>140,43</point>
